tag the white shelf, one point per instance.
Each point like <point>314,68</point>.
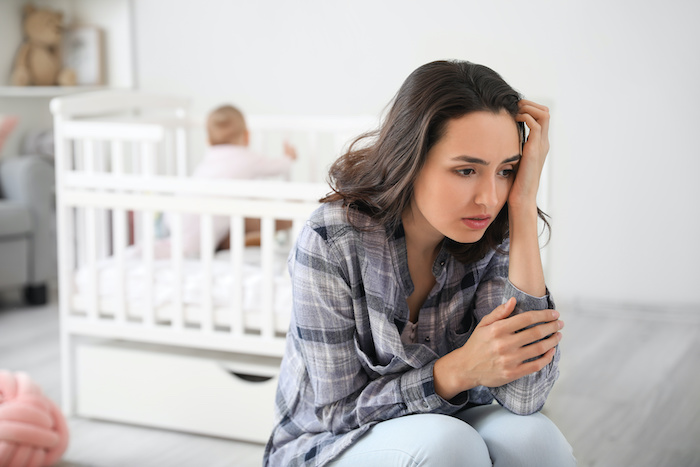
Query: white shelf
<point>44,91</point>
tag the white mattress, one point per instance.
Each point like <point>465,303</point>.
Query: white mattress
<point>163,289</point>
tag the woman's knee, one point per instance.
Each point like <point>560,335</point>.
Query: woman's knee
<point>517,440</point>
<point>421,440</point>
<point>445,440</point>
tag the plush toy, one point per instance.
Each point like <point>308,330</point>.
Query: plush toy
<point>33,431</point>
<point>38,61</point>
<point>7,124</point>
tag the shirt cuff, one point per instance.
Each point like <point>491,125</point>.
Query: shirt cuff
<point>418,391</point>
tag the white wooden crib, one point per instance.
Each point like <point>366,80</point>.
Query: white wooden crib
<point>178,343</point>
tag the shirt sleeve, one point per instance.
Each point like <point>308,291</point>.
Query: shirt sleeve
<point>528,394</point>
<point>346,395</point>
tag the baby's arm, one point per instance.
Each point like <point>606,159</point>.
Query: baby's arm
<point>290,151</point>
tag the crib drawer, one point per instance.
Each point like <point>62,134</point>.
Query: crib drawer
<point>183,390</point>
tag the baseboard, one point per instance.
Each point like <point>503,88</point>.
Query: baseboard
<point>676,313</point>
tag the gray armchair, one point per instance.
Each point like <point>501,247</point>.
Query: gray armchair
<point>27,242</point>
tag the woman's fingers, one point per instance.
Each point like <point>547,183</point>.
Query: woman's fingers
<point>533,108</point>
<point>540,348</point>
<point>540,114</point>
<point>534,366</point>
<point>524,102</point>
<point>499,313</point>
<point>538,331</point>
<point>529,318</point>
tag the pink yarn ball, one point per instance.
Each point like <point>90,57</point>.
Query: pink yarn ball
<point>33,431</point>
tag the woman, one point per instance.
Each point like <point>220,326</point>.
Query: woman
<point>419,295</point>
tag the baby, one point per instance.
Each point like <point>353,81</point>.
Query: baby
<point>228,157</point>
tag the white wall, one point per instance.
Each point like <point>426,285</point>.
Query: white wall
<point>623,78</point>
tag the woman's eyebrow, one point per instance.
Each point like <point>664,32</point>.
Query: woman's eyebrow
<point>476,160</point>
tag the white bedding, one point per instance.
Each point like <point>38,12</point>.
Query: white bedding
<point>164,285</point>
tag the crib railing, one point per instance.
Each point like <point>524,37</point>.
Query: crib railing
<point>97,199</point>
<point>95,210</point>
<point>318,139</point>
<point>121,160</point>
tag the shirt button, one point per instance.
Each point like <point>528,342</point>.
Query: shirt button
<point>442,263</point>
<point>427,338</point>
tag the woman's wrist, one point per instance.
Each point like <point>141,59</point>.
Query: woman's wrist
<point>522,207</point>
<point>448,381</point>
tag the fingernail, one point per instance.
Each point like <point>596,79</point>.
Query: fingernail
<point>561,324</point>
<point>555,314</point>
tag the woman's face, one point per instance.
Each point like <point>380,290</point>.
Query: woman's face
<point>467,176</point>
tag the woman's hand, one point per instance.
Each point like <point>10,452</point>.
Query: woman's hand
<point>527,180</point>
<point>498,349</point>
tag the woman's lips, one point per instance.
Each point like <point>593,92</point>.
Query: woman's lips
<point>477,223</point>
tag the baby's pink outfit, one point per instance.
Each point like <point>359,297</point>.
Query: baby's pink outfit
<point>238,162</point>
<point>227,161</point>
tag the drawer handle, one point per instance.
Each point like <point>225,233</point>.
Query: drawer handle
<point>250,378</point>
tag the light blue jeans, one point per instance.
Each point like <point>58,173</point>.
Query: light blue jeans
<point>477,437</point>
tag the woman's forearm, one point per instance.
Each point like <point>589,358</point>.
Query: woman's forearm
<point>525,266</point>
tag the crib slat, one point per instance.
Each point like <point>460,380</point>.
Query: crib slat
<point>117,158</point>
<point>135,168</point>
<point>206,254</point>
<point>168,149</point>
<point>136,158</point>
<point>267,246</point>
<point>119,229</point>
<point>176,257</point>
<point>79,166</point>
<point>148,233</point>
<point>147,159</point>
<point>103,231</point>
<point>90,230</point>
<point>314,162</point>
<point>90,233</point>
<point>181,152</point>
<point>237,242</point>
<point>148,154</point>
<point>119,234</point>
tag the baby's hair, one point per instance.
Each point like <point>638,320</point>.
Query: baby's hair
<point>225,125</point>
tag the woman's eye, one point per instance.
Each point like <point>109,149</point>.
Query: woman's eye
<point>506,172</point>
<point>465,172</point>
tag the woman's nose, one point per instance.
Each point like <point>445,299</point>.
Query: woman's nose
<point>487,194</point>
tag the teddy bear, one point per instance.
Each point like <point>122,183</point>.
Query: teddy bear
<point>38,60</point>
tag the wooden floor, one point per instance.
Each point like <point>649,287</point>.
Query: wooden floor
<point>628,395</point>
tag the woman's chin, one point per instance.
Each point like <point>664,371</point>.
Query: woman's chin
<point>467,237</point>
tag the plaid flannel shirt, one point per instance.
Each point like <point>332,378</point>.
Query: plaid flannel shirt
<point>345,367</point>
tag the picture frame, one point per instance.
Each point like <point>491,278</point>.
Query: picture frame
<point>82,52</point>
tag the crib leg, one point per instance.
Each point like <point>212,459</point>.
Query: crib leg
<point>36,294</point>
<point>67,375</point>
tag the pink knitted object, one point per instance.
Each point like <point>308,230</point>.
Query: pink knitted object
<point>33,432</point>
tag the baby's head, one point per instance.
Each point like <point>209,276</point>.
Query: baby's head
<point>226,125</point>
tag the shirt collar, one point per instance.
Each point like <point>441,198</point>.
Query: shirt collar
<point>397,239</point>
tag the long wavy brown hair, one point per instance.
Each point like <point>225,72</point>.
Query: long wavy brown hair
<point>377,173</point>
